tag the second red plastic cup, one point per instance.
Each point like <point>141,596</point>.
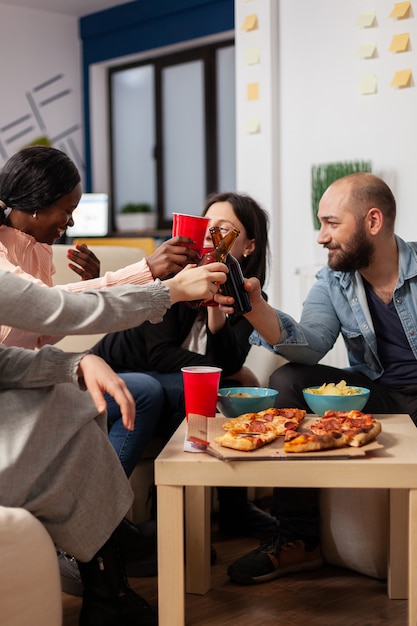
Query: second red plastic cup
<point>201,386</point>
<point>192,226</point>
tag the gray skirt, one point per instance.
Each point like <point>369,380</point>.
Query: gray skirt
<point>56,461</point>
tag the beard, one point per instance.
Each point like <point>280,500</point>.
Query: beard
<point>356,254</point>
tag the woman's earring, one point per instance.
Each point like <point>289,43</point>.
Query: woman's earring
<point>35,213</point>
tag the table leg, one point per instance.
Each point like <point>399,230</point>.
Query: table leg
<point>412,560</point>
<point>197,537</point>
<point>398,544</point>
<point>171,592</point>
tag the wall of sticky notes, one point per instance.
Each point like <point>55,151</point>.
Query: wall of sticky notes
<point>321,81</point>
<point>399,43</point>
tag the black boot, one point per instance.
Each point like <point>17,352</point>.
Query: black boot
<point>135,541</point>
<point>107,599</point>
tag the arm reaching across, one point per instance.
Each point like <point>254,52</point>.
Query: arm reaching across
<point>196,283</point>
<point>30,307</point>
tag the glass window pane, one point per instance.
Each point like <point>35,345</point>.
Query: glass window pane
<point>226,119</point>
<point>133,107</point>
<point>183,138</point>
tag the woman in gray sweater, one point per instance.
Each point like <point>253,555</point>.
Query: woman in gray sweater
<point>56,460</point>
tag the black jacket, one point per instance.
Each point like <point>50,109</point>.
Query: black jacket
<point>157,347</point>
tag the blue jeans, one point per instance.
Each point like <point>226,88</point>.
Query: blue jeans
<point>173,411</point>
<point>148,394</point>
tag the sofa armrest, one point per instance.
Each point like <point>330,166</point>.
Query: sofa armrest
<point>262,362</point>
<point>29,576</point>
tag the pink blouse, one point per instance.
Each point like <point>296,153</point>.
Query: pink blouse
<point>22,255</point>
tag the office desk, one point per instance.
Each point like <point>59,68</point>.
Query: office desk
<point>184,480</point>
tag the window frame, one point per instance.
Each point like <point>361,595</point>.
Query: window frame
<point>207,54</point>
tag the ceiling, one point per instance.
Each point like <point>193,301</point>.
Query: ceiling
<point>76,8</point>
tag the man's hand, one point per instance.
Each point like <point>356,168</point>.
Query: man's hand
<point>171,256</point>
<point>88,265</point>
<point>99,378</point>
<point>263,316</point>
<point>252,286</point>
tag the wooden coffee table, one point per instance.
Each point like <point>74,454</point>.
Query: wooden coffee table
<point>184,481</point>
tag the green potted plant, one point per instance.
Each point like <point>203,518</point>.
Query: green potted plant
<point>324,174</point>
<point>136,216</point>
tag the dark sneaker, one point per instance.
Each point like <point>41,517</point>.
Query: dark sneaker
<point>273,559</point>
<point>70,574</point>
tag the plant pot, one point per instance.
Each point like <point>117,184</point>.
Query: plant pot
<point>136,221</point>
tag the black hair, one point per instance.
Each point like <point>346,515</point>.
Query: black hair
<point>256,223</point>
<point>36,177</point>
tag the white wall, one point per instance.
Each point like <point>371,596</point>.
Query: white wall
<point>257,153</point>
<point>40,78</point>
<point>323,117</point>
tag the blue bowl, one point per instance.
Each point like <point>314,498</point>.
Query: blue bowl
<point>255,399</point>
<point>319,403</point>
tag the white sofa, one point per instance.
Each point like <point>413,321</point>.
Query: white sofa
<point>29,578</point>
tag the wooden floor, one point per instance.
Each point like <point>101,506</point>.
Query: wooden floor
<point>330,596</point>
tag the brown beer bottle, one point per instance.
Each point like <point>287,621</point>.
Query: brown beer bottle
<point>234,283</point>
<point>234,286</point>
<point>222,246</point>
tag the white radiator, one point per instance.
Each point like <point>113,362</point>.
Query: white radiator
<point>337,357</point>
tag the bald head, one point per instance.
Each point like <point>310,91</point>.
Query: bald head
<point>363,191</point>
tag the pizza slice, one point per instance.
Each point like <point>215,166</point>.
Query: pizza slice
<point>311,442</point>
<point>360,428</point>
<point>280,419</point>
<point>245,442</point>
<point>253,430</point>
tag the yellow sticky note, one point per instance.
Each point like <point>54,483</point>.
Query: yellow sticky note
<point>368,84</point>
<point>402,78</point>
<point>250,22</point>
<point>400,10</point>
<point>366,20</point>
<point>252,125</point>
<point>252,91</point>
<point>399,43</point>
<point>367,50</point>
<point>252,56</point>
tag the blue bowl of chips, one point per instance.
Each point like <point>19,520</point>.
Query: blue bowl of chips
<point>323,398</point>
<point>235,401</point>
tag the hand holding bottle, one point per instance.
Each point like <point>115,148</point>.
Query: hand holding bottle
<point>196,283</point>
<point>234,284</point>
<point>253,290</point>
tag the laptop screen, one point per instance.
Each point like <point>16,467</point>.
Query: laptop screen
<point>91,217</point>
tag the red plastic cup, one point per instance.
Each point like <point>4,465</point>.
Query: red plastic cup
<point>201,386</point>
<point>192,226</point>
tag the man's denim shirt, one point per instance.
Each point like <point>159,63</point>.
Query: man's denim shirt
<point>336,304</point>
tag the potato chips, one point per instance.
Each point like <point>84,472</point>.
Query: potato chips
<point>339,389</point>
